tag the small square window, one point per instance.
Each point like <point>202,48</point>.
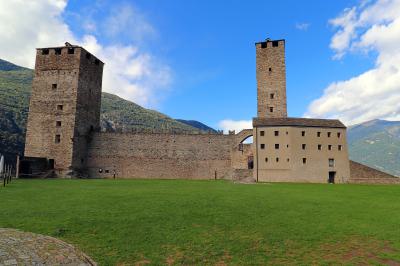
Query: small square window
<point>57,51</point>
<point>71,50</point>
<point>329,147</point>
<point>329,134</point>
<point>340,147</point>
<point>270,69</point>
<point>303,133</point>
<point>58,123</point>
<point>45,51</point>
<point>277,159</point>
<point>303,146</point>
<point>287,160</point>
<point>318,134</point>
<point>272,95</point>
<point>319,146</point>
<point>97,62</point>
<point>262,133</point>
<point>107,171</point>
<point>264,45</point>
<point>287,133</point>
<point>331,162</point>
<point>54,86</point>
<point>275,44</point>
<point>57,139</point>
<point>338,134</point>
<point>262,146</point>
<point>60,107</point>
<point>304,160</point>
<point>271,109</point>
<point>276,146</point>
<point>287,145</point>
<point>88,56</point>
<point>266,159</point>
<point>276,133</point>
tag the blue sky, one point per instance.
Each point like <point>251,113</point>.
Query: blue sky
<point>209,46</point>
<point>196,59</point>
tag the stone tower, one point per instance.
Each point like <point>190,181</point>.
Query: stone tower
<point>271,79</point>
<point>64,107</point>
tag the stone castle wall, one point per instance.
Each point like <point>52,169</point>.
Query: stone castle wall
<point>188,156</point>
<point>362,174</point>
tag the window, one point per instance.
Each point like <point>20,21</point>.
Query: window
<point>272,95</point>
<point>57,51</point>
<point>303,133</point>
<point>276,133</point>
<point>58,123</point>
<point>303,146</point>
<point>276,146</point>
<point>269,69</point>
<point>329,147</point>
<point>304,160</point>
<point>45,51</point>
<point>71,50</point>
<point>287,159</point>
<point>338,134</point>
<point>277,159</point>
<point>100,170</point>
<point>266,159</point>
<point>262,133</point>
<point>319,146</point>
<point>88,56</point>
<point>287,145</point>
<point>275,44</point>
<point>318,134</point>
<point>262,146</point>
<point>329,134</point>
<point>57,139</point>
<point>107,171</point>
<point>264,45</point>
<point>287,133</point>
<point>340,147</point>
<point>59,107</point>
<point>331,162</point>
<point>54,86</point>
<point>97,62</point>
<point>271,109</point>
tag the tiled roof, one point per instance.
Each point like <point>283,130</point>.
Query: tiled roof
<point>300,122</point>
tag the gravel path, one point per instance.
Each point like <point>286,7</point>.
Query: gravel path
<point>22,248</point>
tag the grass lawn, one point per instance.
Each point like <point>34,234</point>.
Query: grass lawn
<point>128,222</point>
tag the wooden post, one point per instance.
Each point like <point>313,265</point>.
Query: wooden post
<point>17,168</point>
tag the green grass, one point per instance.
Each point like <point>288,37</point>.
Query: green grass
<point>210,222</point>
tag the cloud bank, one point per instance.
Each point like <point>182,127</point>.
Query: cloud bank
<point>129,72</point>
<point>369,27</point>
<point>236,125</point>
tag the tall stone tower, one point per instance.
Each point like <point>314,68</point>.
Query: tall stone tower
<point>64,106</point>
<point>271,79</point>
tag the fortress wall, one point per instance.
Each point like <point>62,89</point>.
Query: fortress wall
<point>362,174</point>
<point>160,156</point>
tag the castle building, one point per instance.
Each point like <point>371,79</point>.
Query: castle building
<point>64,107</point>
<point>63,131</point>
<point>292,149</point>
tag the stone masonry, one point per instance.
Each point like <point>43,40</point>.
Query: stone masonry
<point>271,79</point>
<point>64,106</point>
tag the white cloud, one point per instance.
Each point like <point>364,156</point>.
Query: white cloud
<point>236,125</point>
<point>302,26</point>
<point>375,93</point>
<point>129,72</point>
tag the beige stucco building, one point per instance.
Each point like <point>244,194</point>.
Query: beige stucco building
<point>292,149</point>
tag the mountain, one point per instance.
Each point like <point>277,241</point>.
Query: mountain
<point>376,143</point>
<point>197,125</point>
<point>117,114</point>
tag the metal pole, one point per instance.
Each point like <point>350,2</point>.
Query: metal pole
<point>17,168</point>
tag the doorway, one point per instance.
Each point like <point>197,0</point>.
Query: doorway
<point>331,179</point>
<point>250,162</point>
